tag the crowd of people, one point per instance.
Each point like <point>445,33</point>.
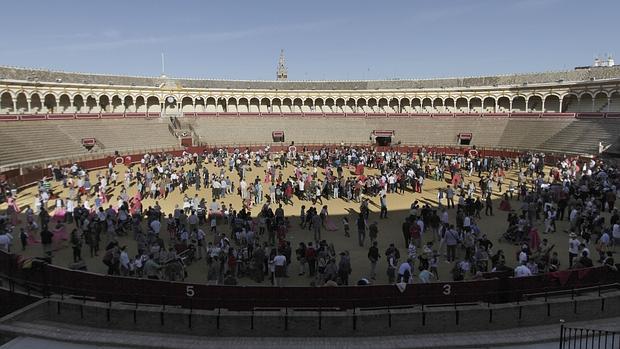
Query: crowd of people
<point>253,240</point>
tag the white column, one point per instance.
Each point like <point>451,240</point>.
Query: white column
<point>608,104</point>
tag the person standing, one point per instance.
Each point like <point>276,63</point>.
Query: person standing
<point>383,202</point>
<point>316,226</point>
<point>373,231</point>
<point>450,197</point>
<point>488,205</point>
<point>452,240</point>
<point>573,248</point>
<point>361,229</point>
<point>46,241</point>
<point>344,267</point>
<point>373,257</point>
<point>279,263</point>
<point>76,245</point>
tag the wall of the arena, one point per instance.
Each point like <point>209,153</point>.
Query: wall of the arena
<point>496,288</point>
<point>305,322</point>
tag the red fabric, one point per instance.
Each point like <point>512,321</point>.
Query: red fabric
<point>359,169</point>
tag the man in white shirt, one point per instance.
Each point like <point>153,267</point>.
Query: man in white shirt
<point>573,248</point>
<point>522,270</point>
<point>124,261</point>
<point>279,263</point>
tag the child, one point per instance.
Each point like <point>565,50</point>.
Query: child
<point>345,223</point>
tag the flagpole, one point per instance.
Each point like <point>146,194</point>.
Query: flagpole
<point>163,66</point>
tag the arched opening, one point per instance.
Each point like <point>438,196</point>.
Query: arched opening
<point>600,102</point>
<point>104,103</point>
<point>405,105</point>
<point>585,103</point>
<point>211,105</point>
<point>518,104</point>
<point>243,105</point>
<point>223,105</point>
<point>64,102</point>
<point>308,105</point>
<point>351,106</point>
<point>140,104</point>
<point>199,104</point>
<point>393,106</point>
<point>231,105</point>
<point>36,104</point>
<point>6,103</point>
<point>265,105</point>
<point>448,105</point>
<point>318,105</point>
<point>614,106</point>
<point>461,105</point>
<point>254,105</point>
<point>382,106</point>
<point>503,104</point>
<point>50,103</point>
<point>552,104</point>
<point>372,105</point>
<point>416,105</point>
<point>128,104</point>
<point>570,103</point>
<point>22,103</point>
<point>340,106</point>
<point>187,105</point>
<point>287,105</point>
<point>427,105</point>
<point>170,104</point>
<point>488,105</point>
<point>276,105</point>
<point>152,105</point>
<point>297,103</point>
<point>91,104</point>
<point>329,105</point>
<point>534,104</point>
<point>361,106</point>
<point>117,104</point>
<point>438,105</point>
<point>475,105</point>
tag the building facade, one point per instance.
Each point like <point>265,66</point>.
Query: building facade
<point>30,91</point>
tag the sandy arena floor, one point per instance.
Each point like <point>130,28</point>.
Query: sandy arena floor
<point>389,229</point>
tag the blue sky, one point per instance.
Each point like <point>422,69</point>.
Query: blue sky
<point>322,39</point>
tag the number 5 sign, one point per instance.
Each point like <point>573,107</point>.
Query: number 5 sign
<point>189,291</point>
